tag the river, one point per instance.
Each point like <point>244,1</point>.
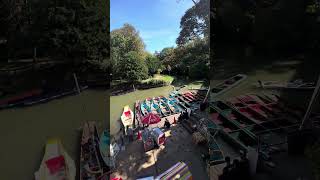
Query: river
<point>24,131</point>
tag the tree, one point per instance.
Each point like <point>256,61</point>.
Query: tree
<point>195,23</point>
<point>132,67</point>
<point>152,63</point>
<point>123,41</point>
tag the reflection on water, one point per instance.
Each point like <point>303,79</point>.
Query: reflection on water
<point>24,131</point>
<point>118,102</point>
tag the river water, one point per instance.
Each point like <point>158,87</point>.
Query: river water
<point>24,131</point>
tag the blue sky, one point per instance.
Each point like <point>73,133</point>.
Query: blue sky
<point>158,21</point>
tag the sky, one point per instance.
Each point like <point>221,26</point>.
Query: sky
<point>158,21</point>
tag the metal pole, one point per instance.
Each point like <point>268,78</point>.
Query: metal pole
<point>311,104</point>
<point>76,80</point>
<point>208,92</point>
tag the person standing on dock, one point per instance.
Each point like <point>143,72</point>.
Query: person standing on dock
<point>167,123</point>
<point>189,112</point>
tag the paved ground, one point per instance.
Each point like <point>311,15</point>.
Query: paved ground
<point>134,162</point>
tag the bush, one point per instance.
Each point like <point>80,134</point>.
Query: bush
<point>199,71</point>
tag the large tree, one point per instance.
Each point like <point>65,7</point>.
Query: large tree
<point>152,63</point>
<point>195,22</point>
<point>123,41</point>
<point>133,67</point>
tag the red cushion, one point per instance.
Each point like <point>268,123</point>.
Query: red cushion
<point>55,164</point>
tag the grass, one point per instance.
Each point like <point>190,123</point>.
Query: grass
<point>168,79</point>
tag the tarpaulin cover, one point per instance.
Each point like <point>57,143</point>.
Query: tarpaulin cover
<point>151,119</point>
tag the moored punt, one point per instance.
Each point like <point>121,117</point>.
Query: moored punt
<point>189,95</point>
<point>277,108</point>
<point>163,98</point>
<point>145,109</point>
<point>234,115</point>
<point>50,96</point>
<point>56,163</point>
<point>18,98</point>
<point>177,102</point>
<point>230,130</point>
<point>173,106</point>
<point>256,106</point>
<point>186,98</point>
<point>164,109</point>
<point>226,125</point>
<point>155,109</point>
<point>156,100</point>
<point>184,104</point>
<point>284,104</point>
<point>298,84</point>
<point>247,111</point>
<point>227,84</point>
<point>127,118</point>
<point>92,165</point>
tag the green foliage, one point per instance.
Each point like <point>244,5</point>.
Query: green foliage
<point>123,41</point>
<point>132,67</point>
<point>195,23</point>
<point>152,63</point>
<point>190,59</point>
<point>71,30</point>
<point>165,54</point>
<point>312,8</point>
<point>155,83</point>
<point>199,71</point>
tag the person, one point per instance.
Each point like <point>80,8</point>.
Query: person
<point>244,165</point>
<point>185,114</point>
<point>130,133</point>
<point>189,112</point>
<point>226,170</point>
<point>228,165</point>
<point>167,123</point>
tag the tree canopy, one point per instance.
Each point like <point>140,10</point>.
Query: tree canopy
<point>71,30</point>
<point>123,41</point>
<point>195,22</point>
<point>133,67</point>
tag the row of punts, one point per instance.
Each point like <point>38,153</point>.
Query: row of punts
<point>227,84</point>
<point>237,79</point>
<point>166,106</point>
<point>253,120</point>
<point>36,96</point>
<point>297,84</point>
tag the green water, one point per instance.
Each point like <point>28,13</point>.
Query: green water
<point>23,131</point>
<point>118,102</point>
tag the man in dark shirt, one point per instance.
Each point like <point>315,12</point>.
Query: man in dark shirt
<point>244,166</point>
<point>167,123</point>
